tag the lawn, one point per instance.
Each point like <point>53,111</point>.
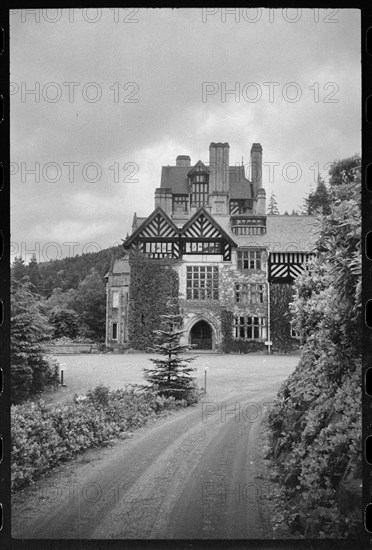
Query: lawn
<point>225,374</point>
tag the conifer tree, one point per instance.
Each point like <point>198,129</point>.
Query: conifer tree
<point>18,270</point>
<point>273,205</point>
<point>171,376</point>
<point>319,200</point>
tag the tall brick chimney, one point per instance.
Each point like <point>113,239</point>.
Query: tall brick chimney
<point>256,167</point>
<point>219,167</point>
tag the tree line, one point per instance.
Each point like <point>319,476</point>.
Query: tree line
<point>320,201</point>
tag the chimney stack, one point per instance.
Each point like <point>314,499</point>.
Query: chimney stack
<point>219,167</point>
<point>261,202</point>
<point>163,198</point>
<point>256,167</point>
<point>183,160</point>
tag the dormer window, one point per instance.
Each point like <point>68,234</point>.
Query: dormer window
<point>199,192</point>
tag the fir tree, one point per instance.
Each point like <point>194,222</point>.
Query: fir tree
<point>273,205</point>
<point>18,270</point>
<point>31,371</point>
<point>34,275</point>
<point>171,376</point>
<point>319,200</point>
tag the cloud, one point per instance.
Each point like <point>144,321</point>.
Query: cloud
<point>149,79</point>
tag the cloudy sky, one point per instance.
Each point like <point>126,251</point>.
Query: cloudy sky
<point>100,100</point>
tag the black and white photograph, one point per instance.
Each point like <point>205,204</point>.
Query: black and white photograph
<point>186,267</point>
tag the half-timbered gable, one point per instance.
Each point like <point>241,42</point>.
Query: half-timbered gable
<point>157,236</point>
<point>285,267</point>
<point>203,235</point>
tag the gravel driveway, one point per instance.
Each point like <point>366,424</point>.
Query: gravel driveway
<point>190,475</point>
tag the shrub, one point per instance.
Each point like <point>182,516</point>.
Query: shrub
<point>44,435</point>
<point>315,423</point>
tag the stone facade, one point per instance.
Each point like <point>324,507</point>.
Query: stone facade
<point>212,220</point>
<point>117,304</point>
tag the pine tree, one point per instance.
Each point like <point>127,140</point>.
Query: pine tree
<point>34,275</point>
<point>319,200</point>
<point>171,376</point>
<point>31,372</point>
<point>18,270</point>
<point>273,205</point>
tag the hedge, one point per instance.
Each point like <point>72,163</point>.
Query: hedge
<point>44,435</point>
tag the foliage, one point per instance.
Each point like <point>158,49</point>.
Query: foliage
<point>171,377</point>
<point>70,285</point>
<point>273,205</point>
<point>280,319</point>
<point>227,321</point>
<point>153,284</point>
<point>344,172</point>
<point>45,435</point>
<point>319,201</point>
<point>18,271</point>
<point>65,273</point>
<point>31,370</point>
<point>315,423</point>
<point>91,306</point>
<point>64,322</point>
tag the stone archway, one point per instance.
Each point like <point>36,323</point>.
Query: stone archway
<point>201,335</point>
<point>193,319</point>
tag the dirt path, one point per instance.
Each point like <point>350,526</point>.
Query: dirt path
<point>191,475</point>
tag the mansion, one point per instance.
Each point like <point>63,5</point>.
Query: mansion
<point>228,253</point>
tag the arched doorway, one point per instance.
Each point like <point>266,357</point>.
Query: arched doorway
<point>201,335</point>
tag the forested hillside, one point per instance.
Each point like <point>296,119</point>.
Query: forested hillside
<point>66,273</point>
<point>70,292</point>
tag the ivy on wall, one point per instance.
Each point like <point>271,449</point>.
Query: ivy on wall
<point>229,276</point>
<point>280,319</point>
<point>153,292</point>
<point>229,344</point>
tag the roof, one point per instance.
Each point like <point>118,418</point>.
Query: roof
<point>121,266</point>
<point>240,186</point>
<point>175,178</point>
<point>140,220</point>
<point>283,233</point>
<point>302,231</point>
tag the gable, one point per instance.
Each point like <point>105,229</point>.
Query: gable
<point>203,226</point>
<point>199,166</point>
<point>157,225</point>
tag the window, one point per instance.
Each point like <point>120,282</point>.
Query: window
<point>242,230</point>
<point>207,247</point>
<point>199,196</point>
<point>180,203</point>
<point>246,293</point>
<point>115,299</point>
<point>248,225</point>
<point>202,283</point>
<point>250,327</point>
<point>114,331</point>
<point>159,249</point>
<point>249,259</point>
<point>257,294</point>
